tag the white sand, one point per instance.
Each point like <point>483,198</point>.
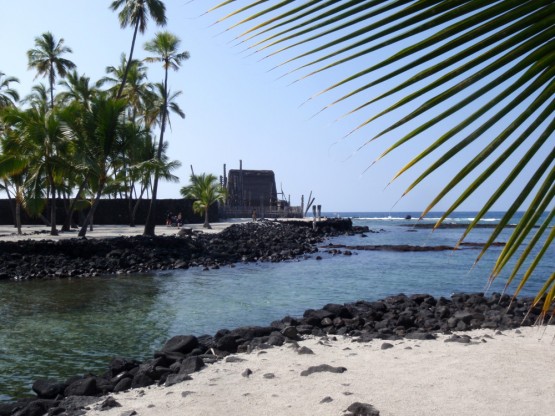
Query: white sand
<point>42,232</point>
<point>508,374</point>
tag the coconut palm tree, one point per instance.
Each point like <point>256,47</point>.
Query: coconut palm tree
<point>38,97</point>
<point>78,88</point>
<point>12,169</point>
<point>136,85</point>
<point>165,47</point>
<point>155,100</point>
<point>205,190</point>
<point>486,70</point>
<point>142,166</point>
<point>136,13</point>
<point>8,96</point>
<point>47,60</point>
<point>42,144</point>
<point>98,129</point>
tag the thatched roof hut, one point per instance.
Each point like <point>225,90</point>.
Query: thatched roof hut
<point>251,188</point>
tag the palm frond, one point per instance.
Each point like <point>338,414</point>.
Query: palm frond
<point>489,65</point>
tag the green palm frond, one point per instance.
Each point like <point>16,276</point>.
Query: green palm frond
<point>205,190</point>
<point>488,65</point>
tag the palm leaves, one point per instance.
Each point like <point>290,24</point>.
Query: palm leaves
<point>89,142</point>
<point>136,13</point>
<point>204,190</point>
<point>37,139</point>
<point>47,59</point>
<point>487,68</point>
<point>8,96</point>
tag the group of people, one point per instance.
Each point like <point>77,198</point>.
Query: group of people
<point>174,220</point>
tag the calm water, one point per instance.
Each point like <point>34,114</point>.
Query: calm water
<point>61,328</point>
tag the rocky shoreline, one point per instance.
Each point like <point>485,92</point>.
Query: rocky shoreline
<point>417,317</point>
<point>81,257</point>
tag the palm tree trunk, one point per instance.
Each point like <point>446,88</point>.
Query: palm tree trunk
<point>206,223</point>
<point>150,218</point>
<point>136,207</point>
<point>90,214</point>
<point>18,216</point>
<point>10,203</point>
<point>128,66</point>
<point>150,223</point>
<point>53,230</point>
<point>71,210</point>
<point>51,78</point>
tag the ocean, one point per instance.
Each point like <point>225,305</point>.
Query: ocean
<point>57,329</point>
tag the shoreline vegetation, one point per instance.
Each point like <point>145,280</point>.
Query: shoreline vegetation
<point>386,323</point>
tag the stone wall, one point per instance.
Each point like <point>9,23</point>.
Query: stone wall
<point>114,211</point>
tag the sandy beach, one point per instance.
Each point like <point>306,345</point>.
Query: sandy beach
<point>42,232</point>
<point>505,373</point>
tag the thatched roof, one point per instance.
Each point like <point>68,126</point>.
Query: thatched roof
<point>251,187</point>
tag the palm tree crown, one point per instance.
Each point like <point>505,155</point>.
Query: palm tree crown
<point>165,46</point>
<point>47,59</point>
<point>8,96</point>
<point>205,190</point>
<point>78,88</point>
<point>136,13</point>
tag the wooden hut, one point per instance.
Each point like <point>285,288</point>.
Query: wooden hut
<point>251,188</point>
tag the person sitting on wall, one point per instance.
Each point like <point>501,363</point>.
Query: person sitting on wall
<point>179,220</point>
<point>168,219</point>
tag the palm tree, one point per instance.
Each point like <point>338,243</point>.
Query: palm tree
<point>136,85</point>
<point>205,190</point>
<point>78,88</point>
<point>12,169</point>
<point>156,98</point>
<point>165,46</point>
<point>38,97</point>
<point>8,96</point>
<point>42,144</point>
<point>488,68</point>
<point>136,13</point>
<point>47,59</point>
<point>98,130</point>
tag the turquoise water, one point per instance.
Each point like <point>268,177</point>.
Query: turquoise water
<point>72,326</point>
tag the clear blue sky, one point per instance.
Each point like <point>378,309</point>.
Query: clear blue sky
<point>236,108</point>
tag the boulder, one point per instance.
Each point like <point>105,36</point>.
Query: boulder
<point>362,409</point>
<point>37,407</point>
<point>82,387</point>
<point>47,388</point>
<point>176,378</point>
<point>183,344</point>
<point>141,380</point>
<point>123,385</point>
<point>191,365</point>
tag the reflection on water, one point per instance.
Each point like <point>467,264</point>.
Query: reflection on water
<point>65,327</point>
